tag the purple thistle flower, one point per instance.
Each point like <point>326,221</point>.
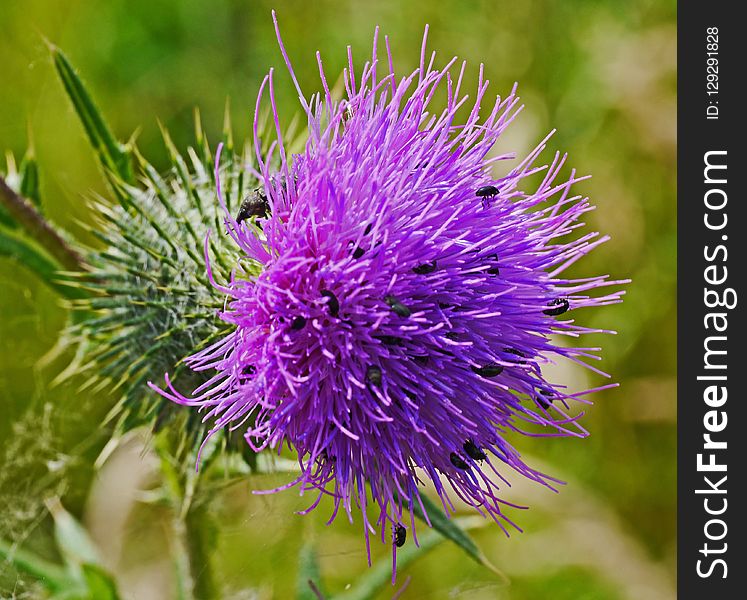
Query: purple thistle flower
<point>406,303</point>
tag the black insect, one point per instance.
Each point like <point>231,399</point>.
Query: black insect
<point>400,536</point>
<point>298,323</point>
<point>332,303</point>
<point>397,306</point>
<point>492,260</point>
<point>518,353</point>
<point>389,340</point>
<point>487,191</point>
<point>545,401</point>
<point>324,457</point>
<point>368,229</point>
<point>254,205</point>
<point>425,268</point>
<point>474,451</point>
<point>373,375</point>
<point>358,252</point>
<point>458,461</point>
<point>560,305</point>
<point>489,370</point>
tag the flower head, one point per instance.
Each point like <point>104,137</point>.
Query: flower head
<point>407,301</point>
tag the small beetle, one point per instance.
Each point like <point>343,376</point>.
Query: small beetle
<point>560,305</point>
<point>389,340</point>
<point>400,536</point>
<point>546,401</point>
<point>254,205</point>
<point>474,451</point>
<point>425,268</point>
<point>332,303</point>
<point>489,370</point>
<point>298,323</point>
<point>373,375</point>
<point>487,192</point>
<point>397,306</point>
<point>458,461</point>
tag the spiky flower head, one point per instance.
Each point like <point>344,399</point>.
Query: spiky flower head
<point>407,301</point>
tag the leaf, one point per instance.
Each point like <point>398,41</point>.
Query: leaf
<point>309,585</point>
<point>51,576</point>
<point>451,530</point>
<point>112,155</point>
<point>75,545</point>
<point>100,584</point>
<point>36,260</point>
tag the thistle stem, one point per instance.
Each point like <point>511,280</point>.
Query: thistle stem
<point>189,526</point>
<point>198,549</point>
<point>39,228</point>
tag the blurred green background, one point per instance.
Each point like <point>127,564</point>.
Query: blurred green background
<point>602,73</point>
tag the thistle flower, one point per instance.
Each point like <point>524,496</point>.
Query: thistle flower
<point>407,300</point>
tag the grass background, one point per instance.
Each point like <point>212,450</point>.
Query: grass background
<point>603,73</point>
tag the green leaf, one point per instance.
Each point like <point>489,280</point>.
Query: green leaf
<point>100,584</point>
<point>36,260</point>
<point>309,585</point>
<point>72,539</point>
<point>113,156</point>
<point>451,530</point>
<point>51,576</point>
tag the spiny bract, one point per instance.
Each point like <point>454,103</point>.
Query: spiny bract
<point>407,299</point>
<point>151,303</point>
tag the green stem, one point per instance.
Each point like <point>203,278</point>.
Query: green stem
<point>198,548</point>
<point>190,522</point>
<point>26,215</point>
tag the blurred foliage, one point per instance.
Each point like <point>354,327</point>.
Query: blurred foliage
<point>603,73</point>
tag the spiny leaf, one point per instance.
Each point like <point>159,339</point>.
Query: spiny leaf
<point>112,155</point>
